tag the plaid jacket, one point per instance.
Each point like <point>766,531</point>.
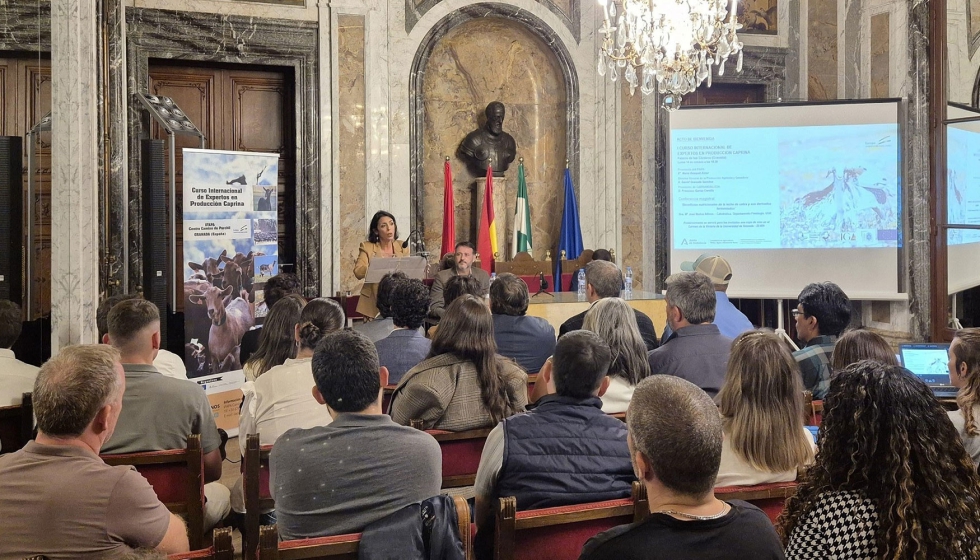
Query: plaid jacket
<point>814,362</point>
<point>444,392</point>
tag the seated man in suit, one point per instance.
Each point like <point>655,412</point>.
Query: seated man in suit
<point>465,255</point>
<point>57,497</point>
<point>675,436</point>
<point>566,450</point>
<point>362,467</point>
<point>697,351</point>
<point>160,412</point>
<point>603,279</point>
<point>406,346</point>
<point>529,341</point>
<point>381,326</point>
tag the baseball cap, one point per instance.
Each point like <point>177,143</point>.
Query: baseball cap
<point>713,266</point>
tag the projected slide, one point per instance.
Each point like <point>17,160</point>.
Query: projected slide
<point>785,187</point>
<point>963,182</point>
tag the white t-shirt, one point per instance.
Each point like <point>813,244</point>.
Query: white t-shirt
<point>170,365</point>
<point>736,471</point>
<point>617,396</point>
<point>16,378</point>
<point>972,444</point>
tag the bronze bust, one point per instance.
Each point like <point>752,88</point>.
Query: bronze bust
<point>488,142</point>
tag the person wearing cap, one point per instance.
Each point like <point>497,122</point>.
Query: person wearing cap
<point>730,321</point>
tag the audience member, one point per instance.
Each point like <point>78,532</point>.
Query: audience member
<point>274,289</point>
<point>463,384</point>
<point>337,479</point>
<point>382,325</point>
<point>731,322</point>
<point>861,344</point>
<point>16,377</point>
<point>160,412</point>
<point>406,346</point>
<point>456,287</point>
<point>892,479</point>
<point>964,374</point>
<point>698,351</point>
<point>603,279</point>
<point>762,414</point>
<point>462,266</point>
<point>675,436</point>
<point>614,321</point>
<point>277,342</point>
<point>166,362</point>
<point>822,313</point>
<point>597,255</point>
<point>59,499</point>
<point>565,451</point>
<point>526,340</point>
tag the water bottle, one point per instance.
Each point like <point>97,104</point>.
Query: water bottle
<point>628,291</point>
<point>581,283</point>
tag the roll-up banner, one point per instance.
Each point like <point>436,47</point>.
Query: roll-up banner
<point>231,248</point>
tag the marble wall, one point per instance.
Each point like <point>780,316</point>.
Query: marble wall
<point>631,183</point>
<point>351,158</point>
<point>822,55</point>
<point>880,66</point>
<point>494,59</point>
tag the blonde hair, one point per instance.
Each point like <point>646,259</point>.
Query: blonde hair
<point>968,351</point>
<point>615,322</point>
<point>762,404</point>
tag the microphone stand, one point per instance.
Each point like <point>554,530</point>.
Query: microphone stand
<point>542,286</point>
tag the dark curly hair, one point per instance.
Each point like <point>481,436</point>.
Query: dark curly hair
<point>886,436</point>
<point>279,286</point>
<point>386,287</point>
<point>410,303</point>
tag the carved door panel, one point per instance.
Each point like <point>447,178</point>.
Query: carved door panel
<point>237,109</point>
<point>25,87</point>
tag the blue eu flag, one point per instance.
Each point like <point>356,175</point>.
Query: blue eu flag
<point>571,230</point>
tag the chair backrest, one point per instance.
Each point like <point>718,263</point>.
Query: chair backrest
<point>16,425</point>
<point>618,415</point>
<point>523,264</point>
<point>559,533</point>
<point>387,391</point>
<point>770,498</point>
<point>461,453</point>
<point>177,477</point>
<point>343,547</point>
<point>258,498</point>
<point>222,549</point>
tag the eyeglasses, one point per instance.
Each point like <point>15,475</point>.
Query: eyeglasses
<point>796,313</point>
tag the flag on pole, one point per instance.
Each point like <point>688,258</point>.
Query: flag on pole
<point>486,243</point>
<point>570,239</point>
<point>521,240</point>
<point>448,214</point>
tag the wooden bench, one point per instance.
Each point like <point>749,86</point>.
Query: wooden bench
<point>559,533</point>
<point>461,452</point>
<point>342,547</point>
<point>770,498</point>
<point>16,425</point>
<point>221,549</point>
<point>255,486</point>
<point>177,477</point>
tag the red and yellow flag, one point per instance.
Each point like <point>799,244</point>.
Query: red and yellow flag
<point>486,243</point>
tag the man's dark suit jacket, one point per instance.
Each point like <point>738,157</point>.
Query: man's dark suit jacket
<point>529,341</point>
<point>647,331</point>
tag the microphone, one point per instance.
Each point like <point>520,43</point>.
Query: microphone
<point>405,244</point>
<point>543,281</point>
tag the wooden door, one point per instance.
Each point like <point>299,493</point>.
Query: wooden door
<point>25,97</point>
<point>238,108</point>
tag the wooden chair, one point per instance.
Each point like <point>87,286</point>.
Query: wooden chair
<point>570,267</point>
<point>221,549</point>
<point>386,397</point>
<point>343,547</point>
<point>618,415</point>
<point>523,264</point>
<point>177,477</point>
<point>532,378</point>
<point>255,485</point>
<point>812,410</point>
<point>559,533</point>
<point>770,498</point>
<point>461,453</point>
<point>16,425</point>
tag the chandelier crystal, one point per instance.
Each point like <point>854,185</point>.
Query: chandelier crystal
<point>667,45</point>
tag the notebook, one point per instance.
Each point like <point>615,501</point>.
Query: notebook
<point>929,361</point>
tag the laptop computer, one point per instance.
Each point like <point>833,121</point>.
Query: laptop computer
<point>929,361</point>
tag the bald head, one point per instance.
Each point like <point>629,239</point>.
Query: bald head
<point>677,428</point>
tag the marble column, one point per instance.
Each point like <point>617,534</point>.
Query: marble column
<point>74,182</point>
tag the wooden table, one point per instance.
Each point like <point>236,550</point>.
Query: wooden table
<point>556,310</point>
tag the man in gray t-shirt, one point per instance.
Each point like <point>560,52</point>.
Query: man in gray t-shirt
<point>337,479</point>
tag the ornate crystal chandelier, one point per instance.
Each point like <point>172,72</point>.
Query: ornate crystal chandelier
<point>668,45</point>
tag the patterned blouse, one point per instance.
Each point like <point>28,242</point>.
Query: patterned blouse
<point>842,526</point>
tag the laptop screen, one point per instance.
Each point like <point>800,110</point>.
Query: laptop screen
<point>929,361</point>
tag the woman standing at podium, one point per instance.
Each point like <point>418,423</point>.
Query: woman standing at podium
<point>382,243</point>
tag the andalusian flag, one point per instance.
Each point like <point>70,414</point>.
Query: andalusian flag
<point>522,216</point>
<point>486,243</point>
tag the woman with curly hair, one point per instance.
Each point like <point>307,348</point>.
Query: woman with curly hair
<point>463,384</point>
<point>964,374</point>
<point>761,407</point>
<point>892,479</point>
